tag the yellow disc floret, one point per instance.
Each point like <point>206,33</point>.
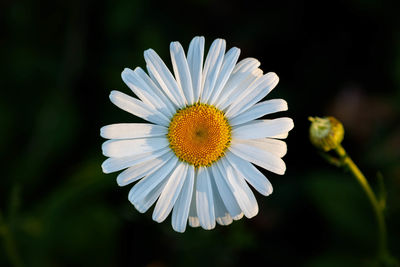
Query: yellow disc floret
<point>199,134</point>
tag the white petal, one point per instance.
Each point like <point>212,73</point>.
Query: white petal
<point>130,147</point>
<point>204,199</point>
<point>276,147</point>
<point>194,221</point>
<point>193,218</point>
<point>130,79</point>
<point>170,193</point>
<point>150,198</point>
<point>238,217</point>
<point>228,64</point>
<point>138,108</point>
<point>117,164</point>
<point>246,65</point>
<point>221,213</point>
<point>240,88</point>
<point>138,171</point>
<point>260,157</point>
<point>259,110</point>
<point>242,71</point>
<point>180,212</point>
<point>149,84</point>
<point>147,91</point>
<point>212,67</point>
<point>243,194</point>
<point>195,62</point>
<point>225,192</point>
<point>281,136</point>
<point>250,173</point>
<point>262,128</point>
<point>181,71</point>
<point>256,91</point>
<point>132,130</point>
<point>164,78</point>
<point>226,220</point>
<point>146,191</point>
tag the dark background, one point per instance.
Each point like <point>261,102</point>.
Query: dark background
<point>59,61</point>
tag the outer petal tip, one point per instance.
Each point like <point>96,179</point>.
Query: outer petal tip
<point>125,73</point>
<point>236,50</point>
<point>102,131</point>
<point>282,170</point>
<point>291,123</point>
<point>273,76</point>
<point>147,52</point>
<point>174,46</point>
<point>270,191</point>
<point>209,227</point>
<point>104,167</point>
<point>157,218</point>
<point>113,94</point>
<point>179,230</point>
<point>127,70</point>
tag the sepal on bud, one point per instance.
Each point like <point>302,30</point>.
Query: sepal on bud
<point>326,133</point>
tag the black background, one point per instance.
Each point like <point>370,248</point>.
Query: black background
<point>60,60</point>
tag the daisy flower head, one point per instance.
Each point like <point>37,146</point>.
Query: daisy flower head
<point>195,155</point>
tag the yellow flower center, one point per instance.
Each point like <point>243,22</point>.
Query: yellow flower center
<point>199,134</point>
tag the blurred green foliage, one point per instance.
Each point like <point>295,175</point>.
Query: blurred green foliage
<point>60,60</point>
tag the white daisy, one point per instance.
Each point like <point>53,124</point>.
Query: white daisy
<point>196,156</point>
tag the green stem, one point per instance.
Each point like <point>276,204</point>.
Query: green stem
<point>378,209</point>
<point>9,243</point>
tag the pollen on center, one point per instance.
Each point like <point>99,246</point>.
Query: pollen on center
<point>199,134</point>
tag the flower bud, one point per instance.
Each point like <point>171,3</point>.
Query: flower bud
<point>326,133</point>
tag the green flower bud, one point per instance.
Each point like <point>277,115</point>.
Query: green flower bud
<point>326,133</point>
